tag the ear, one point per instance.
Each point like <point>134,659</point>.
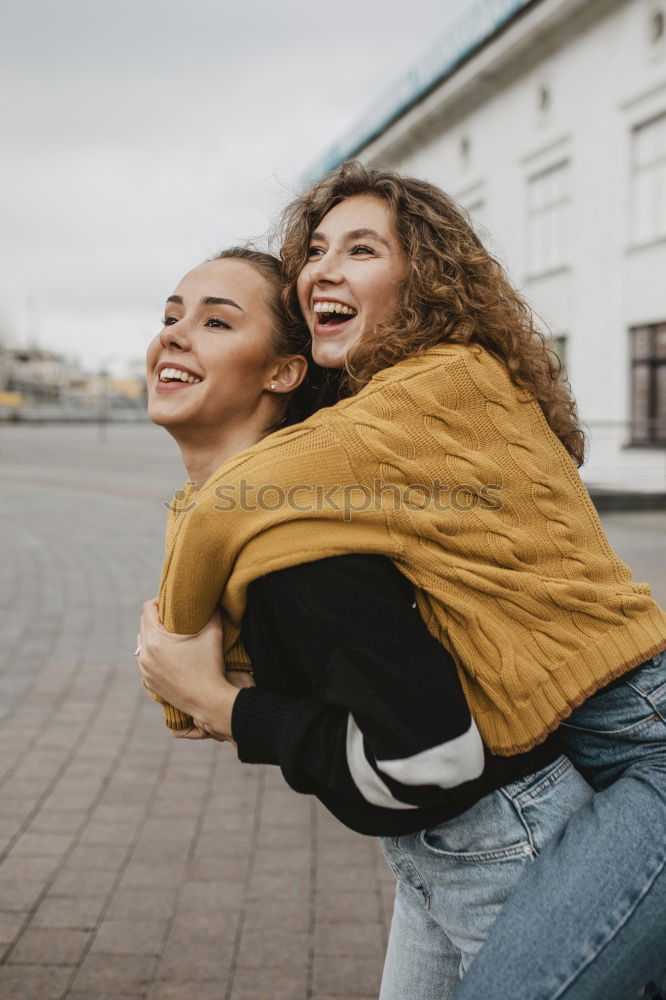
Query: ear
<point>288,373</point>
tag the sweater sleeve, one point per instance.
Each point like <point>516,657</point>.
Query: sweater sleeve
<point>372,713</point>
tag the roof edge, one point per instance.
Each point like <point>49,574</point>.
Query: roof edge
<point>462,40</point>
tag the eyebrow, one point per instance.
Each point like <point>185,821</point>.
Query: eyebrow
<point>355,234</point>
<point>210,300</point>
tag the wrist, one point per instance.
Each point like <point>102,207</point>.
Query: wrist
<point>216,715</point>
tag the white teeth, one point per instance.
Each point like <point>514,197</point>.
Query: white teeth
<point>334,307</point>
<point>168,374</point>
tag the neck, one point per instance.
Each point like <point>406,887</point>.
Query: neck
<point>205,452</point>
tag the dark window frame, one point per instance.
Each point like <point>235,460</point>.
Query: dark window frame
<point>653,431</point>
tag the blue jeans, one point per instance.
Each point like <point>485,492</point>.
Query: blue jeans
<point>453,879</point>
<point>588,920</point>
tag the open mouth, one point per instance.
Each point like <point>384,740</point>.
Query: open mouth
<point>179,376</point>
<point>333,314</point>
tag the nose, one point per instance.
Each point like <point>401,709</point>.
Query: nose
<point>176,337</point>
<point>325,270</point>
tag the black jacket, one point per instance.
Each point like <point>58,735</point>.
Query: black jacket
<point>358,703</point>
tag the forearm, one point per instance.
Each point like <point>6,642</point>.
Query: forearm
<point>381,704</point>
<point>381,756</point>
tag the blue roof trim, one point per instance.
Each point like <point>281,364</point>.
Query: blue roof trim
<point>459,41</point>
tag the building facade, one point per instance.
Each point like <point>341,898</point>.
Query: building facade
<point>546,120</point>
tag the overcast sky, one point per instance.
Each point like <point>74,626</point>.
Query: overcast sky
<point>139,136</point>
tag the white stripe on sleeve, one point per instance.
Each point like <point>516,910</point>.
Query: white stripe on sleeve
<point>447,765</point>
<point>368,782</point>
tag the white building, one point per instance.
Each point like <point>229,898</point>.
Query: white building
<point>547,121</point>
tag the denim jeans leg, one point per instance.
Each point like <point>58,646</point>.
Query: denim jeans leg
<point>454,878</point>
<point>589,918</point>
<point>471,865</point>
<point>421,962</point>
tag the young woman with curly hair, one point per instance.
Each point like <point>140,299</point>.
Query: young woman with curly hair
<point>447,381</point>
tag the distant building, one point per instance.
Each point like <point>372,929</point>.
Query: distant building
<point>4,367</point>
<point>546,120</point>
<point>41,376</point>
<point>37,384</point>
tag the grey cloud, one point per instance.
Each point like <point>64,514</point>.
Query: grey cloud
<point>143,135</point>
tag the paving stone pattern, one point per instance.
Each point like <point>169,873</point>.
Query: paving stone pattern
<point>133,865</point>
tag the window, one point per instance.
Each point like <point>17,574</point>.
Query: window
<point>548,205</point>
<point>648,180</point>
<point>648,384</point>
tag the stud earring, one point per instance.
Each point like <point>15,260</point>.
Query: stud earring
<point>273,385</point>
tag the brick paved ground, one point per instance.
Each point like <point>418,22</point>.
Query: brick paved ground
<point>132,865</point>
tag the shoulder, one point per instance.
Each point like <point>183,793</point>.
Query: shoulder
<point>433,359</point>
<point>462,372</point>
<point>411,372</point>
<point>439,359</point>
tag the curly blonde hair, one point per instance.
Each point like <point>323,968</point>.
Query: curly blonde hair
<point>454,291</point>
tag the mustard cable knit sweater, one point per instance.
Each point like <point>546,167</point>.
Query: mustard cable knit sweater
<point>443,465</point>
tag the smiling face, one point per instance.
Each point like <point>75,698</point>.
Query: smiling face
<point>353,278</point>
<point>209,367</point>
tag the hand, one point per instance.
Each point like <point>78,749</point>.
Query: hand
<point>198,732</point>
<point>193,733</point>
<point>188,672</point>
<point>239,679</point>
